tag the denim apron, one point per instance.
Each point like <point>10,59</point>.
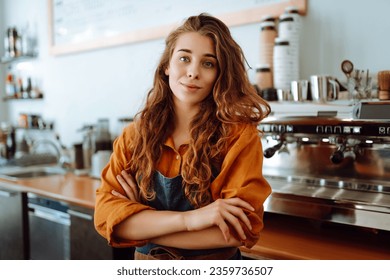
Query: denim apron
<point>170,196</point>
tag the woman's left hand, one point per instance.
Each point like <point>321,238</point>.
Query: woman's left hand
<point>129,185</point>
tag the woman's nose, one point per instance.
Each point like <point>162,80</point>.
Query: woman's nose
<point>193,71</point>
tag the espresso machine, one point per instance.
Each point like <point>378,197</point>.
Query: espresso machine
<point>329,169</point>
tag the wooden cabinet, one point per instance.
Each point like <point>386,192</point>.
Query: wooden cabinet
<point>86,243</point>
<point>14,223</point>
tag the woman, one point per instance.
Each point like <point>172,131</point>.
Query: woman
<point>185,178</point>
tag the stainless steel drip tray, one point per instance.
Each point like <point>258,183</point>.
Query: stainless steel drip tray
<point>365,195</point>
<point>315,199</point>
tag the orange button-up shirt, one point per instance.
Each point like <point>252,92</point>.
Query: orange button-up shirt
<point>240,176</point>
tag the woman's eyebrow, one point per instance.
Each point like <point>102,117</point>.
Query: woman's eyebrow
<point>189,51</point>
<point>184,50</point>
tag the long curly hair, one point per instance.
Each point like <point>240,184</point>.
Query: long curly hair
<point>233,101</point>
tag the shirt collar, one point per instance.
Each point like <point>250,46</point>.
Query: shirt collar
<point>169,142</point>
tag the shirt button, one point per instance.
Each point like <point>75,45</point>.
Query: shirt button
<point>177,157</point>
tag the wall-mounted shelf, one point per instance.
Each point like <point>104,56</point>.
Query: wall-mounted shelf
<point>5,59</point>
<point>16,98</point>
<point>18,95</point>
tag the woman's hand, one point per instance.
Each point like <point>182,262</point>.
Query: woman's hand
<point>220,213</point>
<point>129,185</point>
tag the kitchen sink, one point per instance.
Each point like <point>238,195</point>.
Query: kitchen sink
<point>18,173</point>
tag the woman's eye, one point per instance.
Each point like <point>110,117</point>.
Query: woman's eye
<point>208,64</point>
<point>184,58</point>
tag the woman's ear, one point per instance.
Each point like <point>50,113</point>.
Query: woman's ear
<point>166,71</point>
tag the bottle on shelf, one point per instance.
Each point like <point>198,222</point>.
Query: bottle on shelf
<point>14,43</point>
<point>28,91</point>
<point>10,86</point>
<point>20,93</point>
<point>19,87</point>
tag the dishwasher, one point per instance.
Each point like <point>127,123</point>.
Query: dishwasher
<point>49,228</point>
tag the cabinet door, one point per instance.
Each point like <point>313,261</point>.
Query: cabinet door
<point>86,243</point>
<point>13,229</point>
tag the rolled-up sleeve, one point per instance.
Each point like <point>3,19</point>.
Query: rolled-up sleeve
<point>109,209</point>
<point>241,176</point>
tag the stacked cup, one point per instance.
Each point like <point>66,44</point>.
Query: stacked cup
<point>267,39</point>
<point>268,33</point>
<point>288,37</point>
<point>283,65</point>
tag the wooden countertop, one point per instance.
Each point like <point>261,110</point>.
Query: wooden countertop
<point>284,237</point>
<point>291,238</point>
<point>78,190</point>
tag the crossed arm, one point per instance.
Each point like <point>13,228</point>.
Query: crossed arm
<point>208,225</point>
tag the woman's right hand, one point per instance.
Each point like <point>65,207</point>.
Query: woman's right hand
<point>129,185</point>
<point>220,213</point>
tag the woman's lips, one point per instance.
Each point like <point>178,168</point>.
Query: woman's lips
<point>191,87</point>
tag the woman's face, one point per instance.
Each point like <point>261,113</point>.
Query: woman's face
<point>193,68</point>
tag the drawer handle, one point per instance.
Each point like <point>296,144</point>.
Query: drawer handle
<point>79,214</point>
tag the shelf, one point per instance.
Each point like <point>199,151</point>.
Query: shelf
<point>5,59</point>
<point>15,98</point>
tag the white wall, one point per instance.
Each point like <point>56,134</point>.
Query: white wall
<point>3,108</point>
<point>112,82</point>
